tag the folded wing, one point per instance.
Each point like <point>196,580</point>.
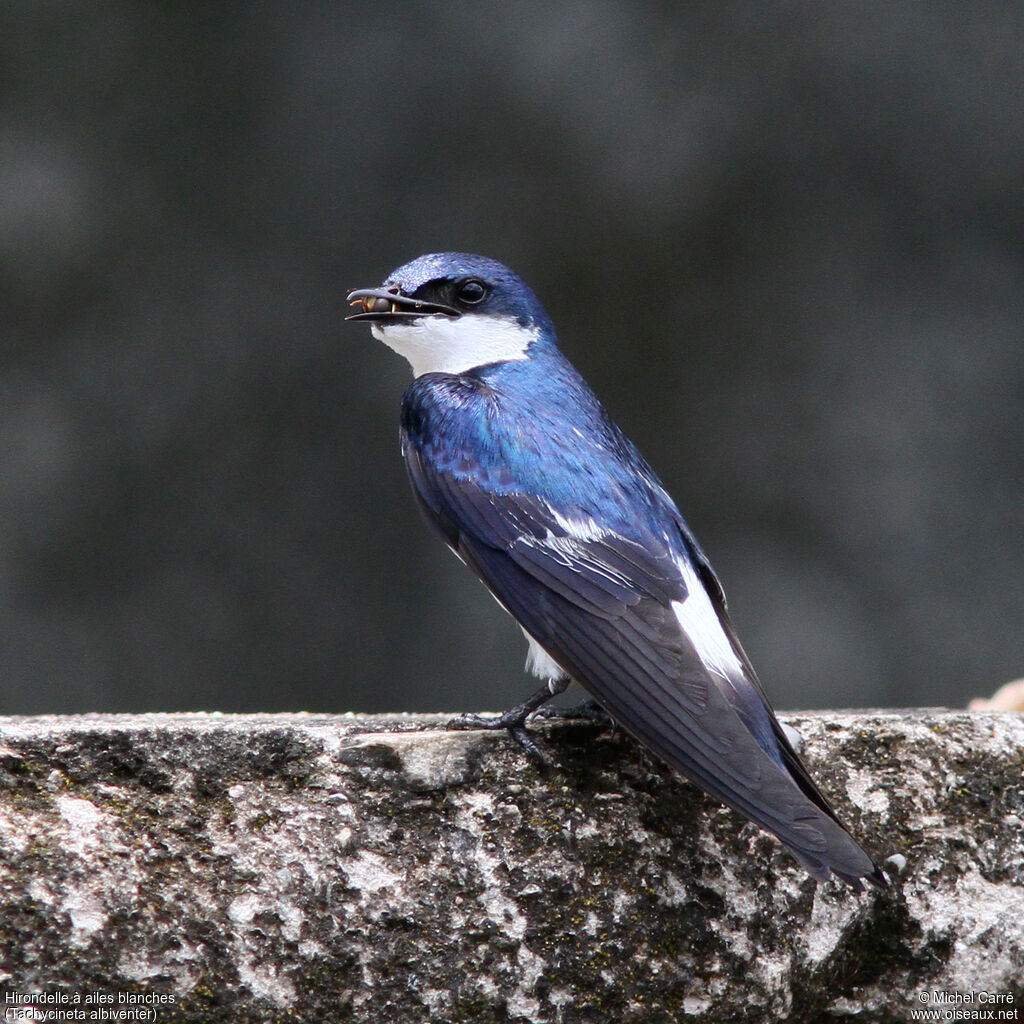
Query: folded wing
<point>612,611</point>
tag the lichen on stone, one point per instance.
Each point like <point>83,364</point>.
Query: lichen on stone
<point>264,868</point>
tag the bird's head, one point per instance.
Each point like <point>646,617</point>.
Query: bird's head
<point>450,312</point>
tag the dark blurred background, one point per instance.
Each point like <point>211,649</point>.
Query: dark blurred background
<point>783,242</point>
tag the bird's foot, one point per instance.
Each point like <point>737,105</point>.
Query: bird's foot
<point>514,720</point>
<point>589,710</point>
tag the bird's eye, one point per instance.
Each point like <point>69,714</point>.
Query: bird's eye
<point>471,292</point>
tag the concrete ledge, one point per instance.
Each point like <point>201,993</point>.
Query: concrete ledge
<point>374,868</point>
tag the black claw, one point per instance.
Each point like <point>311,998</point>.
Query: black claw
<point>525,740</point>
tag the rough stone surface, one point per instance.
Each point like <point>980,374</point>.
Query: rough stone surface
<point>376,868</point>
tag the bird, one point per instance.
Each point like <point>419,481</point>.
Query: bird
<point>531,484</point>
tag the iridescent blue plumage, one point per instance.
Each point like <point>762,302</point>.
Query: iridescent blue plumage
<point>529,481</point>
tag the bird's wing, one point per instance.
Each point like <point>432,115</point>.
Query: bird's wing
<point>604,606</point>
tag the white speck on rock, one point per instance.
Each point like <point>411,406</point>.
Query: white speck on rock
<point>694,1005</point>
<point>291,921</point>
<point>83,819</point>
<point>86,913</point>
<point>40,892</point>
<point>369,872</point>
<point>243,909</point>
<point>12,832</point>
<point>521,1002</point>
<point>863,790</point>
<point>266,983</point>
<point>79,814</point>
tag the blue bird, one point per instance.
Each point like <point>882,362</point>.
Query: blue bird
<point>514,460</point>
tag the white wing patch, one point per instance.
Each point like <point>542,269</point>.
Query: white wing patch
<point>699,621</point>
<point>696,615</point>
<point>442,344</point>
<point>579,529</point>
<point>567,551</point>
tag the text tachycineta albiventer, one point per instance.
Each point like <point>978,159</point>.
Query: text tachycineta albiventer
<point>532,485</point>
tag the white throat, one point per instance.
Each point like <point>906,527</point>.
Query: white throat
<point>441,344</point>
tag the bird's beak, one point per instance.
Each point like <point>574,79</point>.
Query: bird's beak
<point>389,305</point>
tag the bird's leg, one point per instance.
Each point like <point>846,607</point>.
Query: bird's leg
<point>515,718</point>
